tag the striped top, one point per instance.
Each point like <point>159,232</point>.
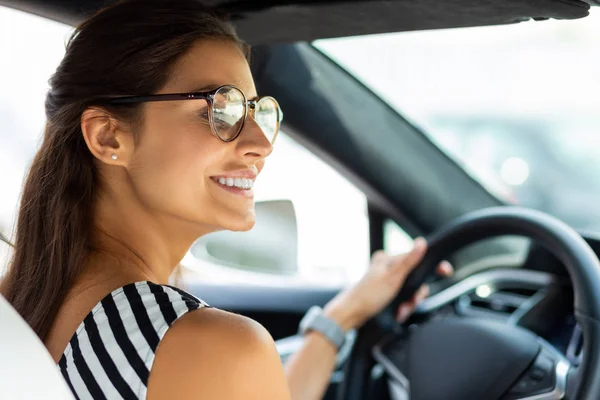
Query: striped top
<point>111,353</point>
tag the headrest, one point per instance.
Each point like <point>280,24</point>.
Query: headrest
<point>27,371</point>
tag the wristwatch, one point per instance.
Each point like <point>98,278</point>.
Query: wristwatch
<point>316,320</point>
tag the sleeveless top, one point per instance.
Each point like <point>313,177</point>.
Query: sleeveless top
<point>111,353</point>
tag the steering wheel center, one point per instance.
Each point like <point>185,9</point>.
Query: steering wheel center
<point>468,358</point>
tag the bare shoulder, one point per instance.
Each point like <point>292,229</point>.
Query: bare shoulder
<point>213,354</point>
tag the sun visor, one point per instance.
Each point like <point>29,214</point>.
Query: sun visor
<point>292,21</point>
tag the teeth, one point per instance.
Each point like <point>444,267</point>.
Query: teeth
<point>242,183</point>
<point>248,183</point>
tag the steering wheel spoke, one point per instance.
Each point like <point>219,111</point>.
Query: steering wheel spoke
<point>391,353</point>
<point>545,379</point>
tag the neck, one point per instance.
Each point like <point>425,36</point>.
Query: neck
<point>133,243</point>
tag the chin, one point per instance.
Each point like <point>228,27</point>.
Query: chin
<point>239,222</point>
<point>242,226</point>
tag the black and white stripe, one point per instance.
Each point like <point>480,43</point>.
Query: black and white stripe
<point>111,354</point>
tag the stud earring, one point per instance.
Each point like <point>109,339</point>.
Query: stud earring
<point>114,157</point>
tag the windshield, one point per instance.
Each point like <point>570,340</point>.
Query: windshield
<point>516,106</point>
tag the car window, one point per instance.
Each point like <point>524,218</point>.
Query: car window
<point>30,49</point>
<point>333,228</point>
<point>331,217</point>
<point>395,239</point>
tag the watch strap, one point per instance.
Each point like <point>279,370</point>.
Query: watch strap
<point>316,320</point>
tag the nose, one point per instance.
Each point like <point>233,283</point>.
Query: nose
<point>252,142</point>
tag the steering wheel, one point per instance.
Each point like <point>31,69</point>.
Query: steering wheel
<point>481,359</point>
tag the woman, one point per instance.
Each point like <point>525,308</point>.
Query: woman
<point>154,137</point>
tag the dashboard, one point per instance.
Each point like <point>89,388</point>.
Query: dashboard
<point>536,300</point>
<point>536,294</point>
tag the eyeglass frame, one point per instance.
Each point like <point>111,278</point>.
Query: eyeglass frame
<point>209,96</point>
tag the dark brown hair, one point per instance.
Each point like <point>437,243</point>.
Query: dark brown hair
<point>128,48</point>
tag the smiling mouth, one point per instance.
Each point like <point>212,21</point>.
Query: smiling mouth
<point>238,183</point>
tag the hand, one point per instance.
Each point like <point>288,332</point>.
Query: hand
<point>377,288</point>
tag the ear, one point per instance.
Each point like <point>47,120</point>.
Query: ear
<point>106,137</point>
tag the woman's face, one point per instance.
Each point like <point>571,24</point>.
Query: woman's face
<point>177,163</point>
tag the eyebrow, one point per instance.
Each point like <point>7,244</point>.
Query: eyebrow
<point>207,88</point>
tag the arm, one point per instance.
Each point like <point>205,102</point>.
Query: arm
<point>212,354</point>
<point>309,370</point>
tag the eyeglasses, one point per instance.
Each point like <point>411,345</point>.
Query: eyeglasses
<point>228,110</point>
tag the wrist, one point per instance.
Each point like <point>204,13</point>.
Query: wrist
<point>343,315</point>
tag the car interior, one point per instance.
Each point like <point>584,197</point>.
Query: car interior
<point>519,319</point>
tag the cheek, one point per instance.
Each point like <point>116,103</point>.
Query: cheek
<point>170,168</point>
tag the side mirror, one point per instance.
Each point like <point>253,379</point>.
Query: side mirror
<point>270,247</point>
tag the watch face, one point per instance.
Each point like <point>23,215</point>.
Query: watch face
<point>308,320</point>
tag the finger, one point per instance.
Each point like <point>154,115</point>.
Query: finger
<point>408,307</point>
<point>404,311</point>
<point>445,269</point>
<point>379,255</point>
<point>421,294</point>
<point>413,257</point>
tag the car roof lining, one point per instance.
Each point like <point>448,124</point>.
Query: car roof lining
<point>277,21</point>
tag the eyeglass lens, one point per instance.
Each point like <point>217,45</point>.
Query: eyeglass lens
<point>229,110</point>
